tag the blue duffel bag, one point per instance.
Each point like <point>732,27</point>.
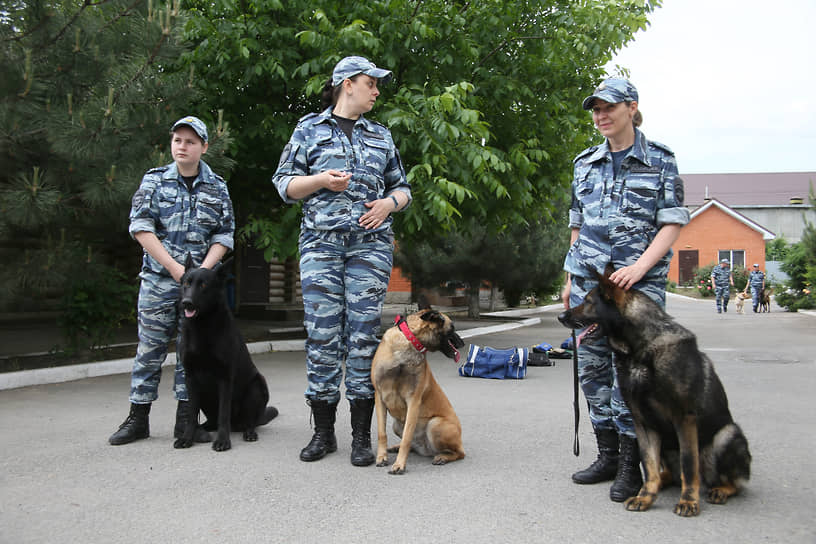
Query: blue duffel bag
<point>486,362</point>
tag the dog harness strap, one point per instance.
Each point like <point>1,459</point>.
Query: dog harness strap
<point>403,326</point>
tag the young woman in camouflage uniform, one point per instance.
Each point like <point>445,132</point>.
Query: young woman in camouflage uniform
<point>179,209</point>
<point>348,173</point>
<point>627,209</point>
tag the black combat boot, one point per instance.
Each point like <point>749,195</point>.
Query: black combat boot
<point>361,410</point>
<point>182,414</point>
<point>323,441</point>
<point>628,480</point>
<point>135,427</point>
<point>606,465</point>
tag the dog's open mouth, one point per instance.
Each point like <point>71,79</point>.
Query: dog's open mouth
<point>189,314</point>
<point>588,333</point>
<point>450,346</point>
<point>454,350</point>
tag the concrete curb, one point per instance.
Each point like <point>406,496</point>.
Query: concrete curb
<point>59,374</point>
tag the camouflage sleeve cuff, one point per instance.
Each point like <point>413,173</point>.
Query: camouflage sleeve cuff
<point>675,216</point>
<point>406,193</point>
<point>224,239</point>
<point>576,219</point>
<point>282,183</point>
<point>141,225</point>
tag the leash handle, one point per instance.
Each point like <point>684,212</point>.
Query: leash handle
<point>576,448</point>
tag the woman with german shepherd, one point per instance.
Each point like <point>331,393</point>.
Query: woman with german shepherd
<point>627,210</point>
<point>349,175</point>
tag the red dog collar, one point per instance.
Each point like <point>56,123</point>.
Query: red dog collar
<point>403,326</point>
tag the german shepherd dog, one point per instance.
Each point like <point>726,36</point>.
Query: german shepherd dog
<point>765,299</point>
<point>678,404</point>
<point>222,380</point>
<point>405,387</point>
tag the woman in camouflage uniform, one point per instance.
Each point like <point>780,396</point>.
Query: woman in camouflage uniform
<point>348,173</point>
<point>627,209</point>
<point>179,209</point>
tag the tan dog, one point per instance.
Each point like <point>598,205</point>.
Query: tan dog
<point>406,388</point>
<point>742,296</point>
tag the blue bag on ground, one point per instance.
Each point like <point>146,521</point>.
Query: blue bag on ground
<point>485,362</point>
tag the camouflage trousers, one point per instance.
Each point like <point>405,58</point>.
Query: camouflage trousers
<point>157,325</point>
<point>343,278</point>
<point>722,294</point>
<point>596,371</point>
<point>756,293</point>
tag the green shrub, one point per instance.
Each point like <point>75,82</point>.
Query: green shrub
<point>702,280</point>
<point>97,301</point>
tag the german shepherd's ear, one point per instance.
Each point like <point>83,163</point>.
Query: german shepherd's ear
<point>223,268</point>
<point>433,316</point>
<point>188,262</point>
<point>608,289</point>
<point>422,302</point>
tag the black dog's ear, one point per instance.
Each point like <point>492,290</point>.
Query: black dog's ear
<point>188,262</point>
<point>223,267</point>
<point>422,302</point>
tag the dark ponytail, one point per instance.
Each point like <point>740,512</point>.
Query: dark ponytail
<point>329,95</point>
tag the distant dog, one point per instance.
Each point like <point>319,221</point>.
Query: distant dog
<point>222,381</point>
<point>406,388</point>
<point>678,403</point>
<point>765,299</point>
<point>742,296</point>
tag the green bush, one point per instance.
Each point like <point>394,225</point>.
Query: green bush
<point>702,280</point>
<point>97,301</point>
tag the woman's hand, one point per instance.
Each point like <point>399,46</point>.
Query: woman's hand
<point>336,181</point>
<point>378,211</point>
<point>627,276</point>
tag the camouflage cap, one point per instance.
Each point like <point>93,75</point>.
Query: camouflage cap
<point>194,123</point>
<point>724,261</point>
<point>351,66</point>
<point>612,90</point>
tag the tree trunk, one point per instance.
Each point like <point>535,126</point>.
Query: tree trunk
<point>473,301</point>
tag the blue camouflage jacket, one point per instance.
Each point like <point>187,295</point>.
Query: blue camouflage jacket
<point>319,144</point>
<point>184,222</point>
<point>721,276</point>
<point>756,277</point>
<point>619,218</point>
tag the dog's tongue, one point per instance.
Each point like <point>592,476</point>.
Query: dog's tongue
<point>189,313</point>
<point>583,333</point>
<point>455,352</point>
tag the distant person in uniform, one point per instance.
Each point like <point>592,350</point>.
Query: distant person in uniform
<point>349,175</point>
<point>722,280</point>
<point>627,210</point>
<point>756,279</point>
<point>179,209</point>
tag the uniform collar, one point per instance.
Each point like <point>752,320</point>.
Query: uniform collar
<point>326,116</point>
<point>204,172</point>
<point>638,152</point>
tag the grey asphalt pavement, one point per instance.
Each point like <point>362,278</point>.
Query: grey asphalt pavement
<point>60,481</point>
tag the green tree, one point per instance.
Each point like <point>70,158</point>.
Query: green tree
<point>485,105</point>
<point>522,258</point>
<point>88,93</point>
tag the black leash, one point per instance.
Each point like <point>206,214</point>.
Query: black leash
<point>576,449</point>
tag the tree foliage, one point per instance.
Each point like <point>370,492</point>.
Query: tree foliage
<point>484,106</point>
<point>800,266</point>
<point>88,94</point>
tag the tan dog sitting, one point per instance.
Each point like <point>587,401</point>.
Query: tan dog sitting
<point>742,296</point>
<point>406,388</point>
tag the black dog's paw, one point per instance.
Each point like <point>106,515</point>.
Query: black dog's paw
<point>182,443</point>
<point>251,436</point>
<point>222,445</point>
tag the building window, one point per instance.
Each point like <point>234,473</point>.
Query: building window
<point>735,256</point>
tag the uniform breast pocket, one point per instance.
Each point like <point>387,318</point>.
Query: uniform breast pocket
<point>327,154</point>
<point>208,211</point>
<point>640,196</point>
<point>168,198</point>
<point>376,150</point>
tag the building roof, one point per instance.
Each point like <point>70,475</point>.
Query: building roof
<point>768,189</point>
<point>766,234</point>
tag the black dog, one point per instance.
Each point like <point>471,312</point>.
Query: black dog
<point>678,403</point>
<point>222,380</point>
